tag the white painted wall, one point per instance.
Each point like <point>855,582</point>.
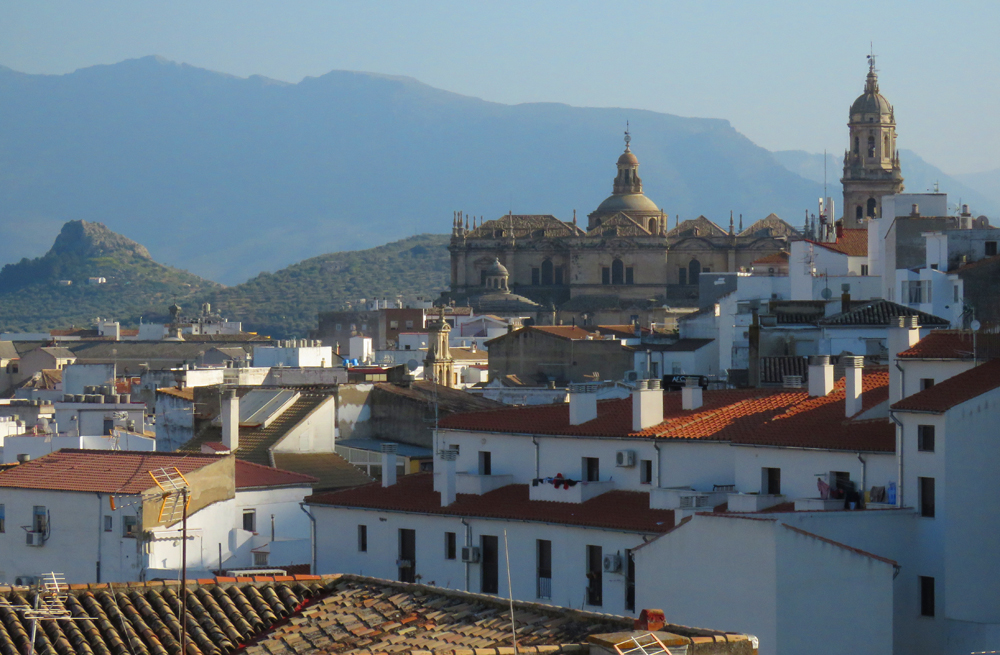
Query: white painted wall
<point>41,445</point>
<point>314,434</point>
<point>90,416</point>
<point>299,356</point>
<point>939,370</point>
<point>77,376</point>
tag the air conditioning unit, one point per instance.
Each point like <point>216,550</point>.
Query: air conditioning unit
<point>35,539</point>
<point>612,563</point>
<point>625,458</point>
<point>470,554</point>
<point>631,376</point>
<point>26,581</point>
<point>404,564</point>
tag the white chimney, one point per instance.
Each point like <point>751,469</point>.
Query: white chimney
<point>691,395</point>
<point>231,420</point>
<point>902,336</point>
<point>820,375</point>
<point>852,384</point>
<point>388,464</point>
<point>582,403</point>
<point>647,404</point>
<point>448,493</point>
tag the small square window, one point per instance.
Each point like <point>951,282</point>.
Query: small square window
<point>926,595</point>
<point>591,469</point>
<point>409,325</point>
<point>991,248</point>
<point>449,545</point>
<point>926,383</point>
<point>250,520</point>
<point>485,462</point>
<point>926,488</point>
<point>130,526</point>
<point>260,559</point>
<point>454,447</point>
<point>393,325</point>
<point>864,269</point>
<point>925,438</point>
<point>362,538</point>
<point>108,523</point>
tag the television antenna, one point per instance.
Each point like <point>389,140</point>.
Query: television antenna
<point>50,605</point>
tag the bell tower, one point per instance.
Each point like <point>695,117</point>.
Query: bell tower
<point>439,366</point>
<point>871,162</point>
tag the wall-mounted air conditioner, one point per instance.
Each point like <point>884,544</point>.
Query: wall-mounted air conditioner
<point>470,554</point>
<point>612,563</point>
<point>35,539</point>
<point>625,458</point>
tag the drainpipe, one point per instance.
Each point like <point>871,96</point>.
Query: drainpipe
<point>902,382</point>
<point>864,477</point>
<point>100,532</point>
<point>312,535</point>
<point>534,440</point>
<point>899,459</point>
<point>656,469</point>
<point>468,542</point>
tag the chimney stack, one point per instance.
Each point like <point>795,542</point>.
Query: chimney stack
<point>845,302</point>
<point>448,493</point>
<point>902,336</point>
<point>691,396</point>
<point>582,403</point>
<point>647,404</point>
<point>820,375</point>
<point>852,384</point>
<point>231,420</point>
<point>388,464</point>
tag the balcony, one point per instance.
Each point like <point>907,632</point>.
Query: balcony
<point>753,502</point>
<point>581,492</point>
<point>685,498</point>
<point>473,483</point>
<point>818,504</point>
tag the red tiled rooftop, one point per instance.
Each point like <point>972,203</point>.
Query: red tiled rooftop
<point>184,394</point>
<point>774,258</point>
<point>613,510</point>
<point>853,243</point>
<point>955,390</point>
<point>125,472</point>
<point>942,344</point>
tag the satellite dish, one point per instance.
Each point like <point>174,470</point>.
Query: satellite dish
<point>412,365</point>
<point>975,325</point>
<point>826,293</point>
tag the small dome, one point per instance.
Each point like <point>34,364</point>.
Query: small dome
<point>628,158</point>
<point>871,103</point>
<point>497,269</point>
<point>627,202</point>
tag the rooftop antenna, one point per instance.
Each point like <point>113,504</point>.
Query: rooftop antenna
<point>510,593</point>
<point>50,605</point>
<point>824,172</point>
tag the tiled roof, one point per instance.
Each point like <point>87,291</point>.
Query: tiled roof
<point>613,510</point>
<point>577,333</point>
<point>127,472</point>
<point>955,390</point>
<point>853,243</point>
<point>682,345</point>
<point>821,423</point>
<point>255,443</point>
<point>448,400</point>
<point>59,352</point>
<point>8,351</point>
<point>954,344</point>
<point>105,471</point>
<point>774,258</point>
<point>882,313</point>
<point>184,394</point>
<point>329,470</point>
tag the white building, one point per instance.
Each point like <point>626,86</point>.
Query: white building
<point>249,513</point>
<point>293,354</point>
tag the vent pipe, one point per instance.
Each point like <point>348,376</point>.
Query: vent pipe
<point>231,420</point>
<point>388,464</point>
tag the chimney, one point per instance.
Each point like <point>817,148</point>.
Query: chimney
<point>691,393</point>
<point>820,375</point>
<point>753,355</point>
<point>845,302</point>
<point>448,493</point>
<point>915,211</point>
<point>647,404</point>
<point>230,420</point>
<point>852,384</point>
<point>902,336</point>
<point>582,403</point>
<point>388,464</point>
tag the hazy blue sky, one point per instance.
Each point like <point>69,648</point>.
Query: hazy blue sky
<point>784,73</point>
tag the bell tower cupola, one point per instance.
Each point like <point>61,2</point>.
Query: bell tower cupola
<point>871,161</point>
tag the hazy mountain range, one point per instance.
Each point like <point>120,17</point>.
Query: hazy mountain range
<point>228,177</point>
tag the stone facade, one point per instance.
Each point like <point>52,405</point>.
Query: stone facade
<point>871,163</point>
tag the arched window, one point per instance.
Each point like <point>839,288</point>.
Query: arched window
<point>547,271</point>
<point>597,222</point>
<point>857,145</point>
<point>860,213</point>
<point>885,147</point>
<point>871,208</point>
<point>617,272</point>
<point>871,146</point>
<point>694,271</point>
<point>652,226</point>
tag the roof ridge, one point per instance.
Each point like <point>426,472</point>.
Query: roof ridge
<point>840,544</point>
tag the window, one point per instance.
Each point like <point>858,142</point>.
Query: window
<point>108,523</point>
<point>605,275</point>
<point>629,581</point>
<point>885,147</point>
<point>454,447</point>
<point>543,568</point>
<point>955,289</point>
<point>130,526</point>
<point>409,325</point>
<point>617,272</point>
<point>926,486</point>
<point>591,469</point>
<point>393,325</point>
<point>558,272</point>
<point>652,226</point>
<point>857,145</point>
<point>535,276</point>
<point>926,383</point>
<point>925,438</point>
<point>871,208</point>
<point>595,576</point>
<point>489,569</point>
<point>991,248</point>
<point>362,538</point>
<point>407,561</point>
<point>482,278</point>
<point>547,272</point>
<point>39,518</point>
<point>859,213</point>
<point>770,480</point>
<point>485,462</point>
<point>250,520</point>
<point>926,595</point>
<point>3,519</point>
<point>871,146</point>
<point>654,369</point>
<point>449,545</point>
<point>646,471</point>
<point>260,559</point>
<point>864,269</point>
<point>630,275</point>
<point>694,270</point>
<point>682,276</point>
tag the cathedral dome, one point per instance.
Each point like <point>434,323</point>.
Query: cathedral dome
<point>497,269</point>
<point>871,101</point>
<point>627,202</point>
<point>628,158</point>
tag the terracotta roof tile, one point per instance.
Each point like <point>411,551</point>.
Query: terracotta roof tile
<point>955,390</point>
<point>881,313</point>
<point>954,344</point>
<point>774,258</point>
<point>853,243</point>
<point>330,470</point>
<point>613,510</point>
<point>184,394</point>
<point>251,476</point>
